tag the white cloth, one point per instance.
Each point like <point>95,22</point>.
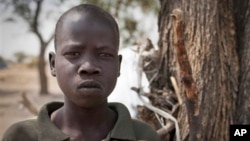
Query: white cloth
<point>127,79</point>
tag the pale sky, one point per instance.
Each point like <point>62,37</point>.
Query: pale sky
<point>15,36</point>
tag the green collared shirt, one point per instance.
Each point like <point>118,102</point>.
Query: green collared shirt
<point>43,129</point>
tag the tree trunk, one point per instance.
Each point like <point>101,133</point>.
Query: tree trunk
<point>242,20</point>
<point>42,71</point>
<point>210,42</point>
<point>43,45</point>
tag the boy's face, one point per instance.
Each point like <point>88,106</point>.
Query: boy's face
<point>86,62</point>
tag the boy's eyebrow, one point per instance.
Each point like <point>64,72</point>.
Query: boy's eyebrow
<point>76,45</point>
<point>71,46</point>
<point>106,47</point>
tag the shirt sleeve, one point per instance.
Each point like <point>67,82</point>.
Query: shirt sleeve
<point>22,131</point>
<point>145,132</point>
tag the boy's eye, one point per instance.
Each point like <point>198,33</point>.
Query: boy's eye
<point>72,54</point>
<point>105,55</point>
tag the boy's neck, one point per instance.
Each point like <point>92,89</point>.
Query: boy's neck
<point>76,121</point>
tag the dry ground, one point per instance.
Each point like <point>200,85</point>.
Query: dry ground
<point>13,81</point>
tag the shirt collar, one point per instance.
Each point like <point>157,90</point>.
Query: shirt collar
<point>48,130</point>
<point>123,128</point>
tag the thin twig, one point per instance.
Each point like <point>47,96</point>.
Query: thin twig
<point>176,88</point>
<point>160,121</point>
<point>28,104</point>
<point>166,129</point>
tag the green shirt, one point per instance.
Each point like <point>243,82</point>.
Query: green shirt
<point>43,129</point>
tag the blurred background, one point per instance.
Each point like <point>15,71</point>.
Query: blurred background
<point>26,37</point>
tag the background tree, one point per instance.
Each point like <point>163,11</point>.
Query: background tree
<point>20,56</point>
<point>1,59</point>
<point>216,34</point>
<point>29,11</point>
<point>3,63</point>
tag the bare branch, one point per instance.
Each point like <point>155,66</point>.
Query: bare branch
<point>28,104</point>
<point>49,40</point>
<point>35,25</point>
<point>166,129</point>
<point>177,91</point>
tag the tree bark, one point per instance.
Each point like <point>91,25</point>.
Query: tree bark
<point>210,42</point>
<point>189,86</point>
<point>242,20</point>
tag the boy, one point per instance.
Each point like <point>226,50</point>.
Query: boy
<point>86,65</point>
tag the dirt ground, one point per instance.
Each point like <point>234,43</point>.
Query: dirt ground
<point>13,81</point>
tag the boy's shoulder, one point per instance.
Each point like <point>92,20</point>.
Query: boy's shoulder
<point>130,129</point>
<point>40,128</point>
<point>143,130</point>
<point>24,130</point>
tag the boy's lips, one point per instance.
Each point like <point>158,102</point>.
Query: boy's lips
<point>89,84</point>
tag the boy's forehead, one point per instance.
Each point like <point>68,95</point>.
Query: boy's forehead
<point>74,17</point>
<point>86,18</point>
<point>84,23</point>
<point>70,21</point>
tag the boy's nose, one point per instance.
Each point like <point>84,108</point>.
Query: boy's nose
<point>88,68</point>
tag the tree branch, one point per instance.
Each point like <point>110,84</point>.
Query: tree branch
<point>34,24</point>
<point>49,40</point>
<point>177,91</point>
<point>28,104</point>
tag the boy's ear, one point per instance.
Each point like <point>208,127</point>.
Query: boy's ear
<point>52,56</point>
<point>120,61</point>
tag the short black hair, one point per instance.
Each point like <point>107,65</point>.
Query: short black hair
<point>93,11</point>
